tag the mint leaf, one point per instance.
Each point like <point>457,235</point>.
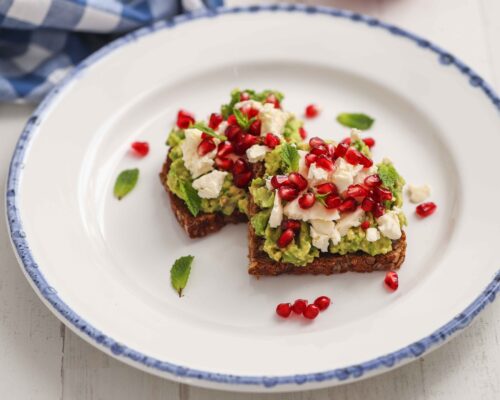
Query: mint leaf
<point>290,157</point>
<point>191,198</point>
<point>355,120</point>
<point>179,273</point>
<point>125,182</point>
<point>242,119</point>
<point>209,131</point>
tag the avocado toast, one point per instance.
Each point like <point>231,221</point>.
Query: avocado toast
<point>324,208</point>
<point>207,171</point>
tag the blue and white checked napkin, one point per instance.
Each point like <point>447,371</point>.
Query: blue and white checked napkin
<point>41,40</point>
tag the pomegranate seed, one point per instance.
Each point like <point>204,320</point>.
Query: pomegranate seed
<point>206,146</point>
<point>307,200</point>
<point>205,135</point>
<point>242,180</point>
<point>278,180</point>
<point>322,302</point>
<point>273,100</point>
<point>382,194</point>
<point>184,119</point>
<point>291,224</point>
<point>325,163</point>
<point>357,191</point>
<point>240,166</point>
<point>311,311</point>
<point>347,205</point>
<point>303,133</point>
<point>370,142</point>
<point>255,126</point>
<point>365,225</point>
<point>425,209</point>
<point>299,306</point>
<point>286,238</point>
<point>288,193</point>
<point>340,150</point>
<point>373,180</point>
<point>224,164</point>
<point>244,96</point>
<point>391,280</point>
<point>298,180</point>
<point>232,132</point>
<point>378,210</point>
<point>326,188</point>
<point>312,111</point>
<point>331,149</point>
<point>352,156</point>
<point>332,201</point>
<point>316,142</point>
<point>320,150</point>
<point>310,159</point>
<point>244,143</point>
<point>253,112</point>
<point>365,161</point>
<point>367,204</point>
<point>284,310</point>
<point>271,140</point>
<point>224,149</point>
<point>231,120</point>
<point>215,120</point>
<point>141,148</point>
<point>346,141</point>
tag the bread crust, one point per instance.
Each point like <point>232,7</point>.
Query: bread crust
<point>203,224</point>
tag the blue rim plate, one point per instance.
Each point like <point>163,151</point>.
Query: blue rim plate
<point>50,295</point>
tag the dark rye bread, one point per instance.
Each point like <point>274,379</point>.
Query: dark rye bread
<point>203,224</point>
<point>326,264</point>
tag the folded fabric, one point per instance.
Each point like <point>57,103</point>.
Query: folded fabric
<point>41,40</point>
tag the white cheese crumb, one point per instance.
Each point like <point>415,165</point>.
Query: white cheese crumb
<point>344,174</point>
<point>372,234</point>
<point>222,127</point>
<point>355,134</point>
<point>322,232</point>
<point>249,103</point>
<point>317,175</point>
<point>319,240</point>
<point>350,220</point>
<point>388,224</point>
<point>269,185</point>
<point>276,213</point>
<point>257,153</point>
<point>194,163</point>
<point>273,120</point>
<point>418,193</point>
<point>303,169</point>
<point>210,185</point>
<point>293,211</point>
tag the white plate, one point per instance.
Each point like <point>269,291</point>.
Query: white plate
<point>103,266</point>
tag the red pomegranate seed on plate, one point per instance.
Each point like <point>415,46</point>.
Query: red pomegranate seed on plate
<point>307,200</point>
<point>184,119</point>
<point>378,210</point>
<point>242,180</point>
<point>292,224</point>
<point>288,193</point>
<point>348,204</point>
<point>271,140</point>
<point>367,204</point>
<point>240,166</point>
<point>299,306</point>
<point>284,310</point>
<point>206,146</point>
<point>370,142</point>
<point>340,150</point>
<point>352,156</point>
<point>278,180</point>
<point>224,149</point>
<point>365,161</point>
<point>311,311</point>
<point>425,209</point>
<point>303,133</point>
<point>357,191</point>
<point>365,225</point>
<point>310,159</point>
<point>286,238</point>
<point>311,111</point>
<point>298,180</point>
<point>322,302</point>
<point>324,163</point>
<point>224,164</point>
<point>391,280</point>
<point>141,148</point>
<point>316,142</point>
<point>332,201</point>
<point>373,180</point>
<point>326,188</point>
<point>255,126</point>
<point>215,120</point>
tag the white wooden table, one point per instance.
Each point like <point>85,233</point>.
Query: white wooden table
<point>41,359</point>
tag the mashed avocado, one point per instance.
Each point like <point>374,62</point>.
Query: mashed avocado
<point>355,240</point>
<point>392,181</point>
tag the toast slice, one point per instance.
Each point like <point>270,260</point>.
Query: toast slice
<point>203,224</point>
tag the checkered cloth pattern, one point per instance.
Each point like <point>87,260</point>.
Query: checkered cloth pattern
<point>41,40</point>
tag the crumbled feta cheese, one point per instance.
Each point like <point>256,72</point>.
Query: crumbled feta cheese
<point>388,224</point>
<point>222,127</point>
<point>269,185</point>
<point>293,211</point>
<point>365,172</point>
<point>418,193</point>
<point>350,220</point>
<point>273,120</point>
<point>355,134</point>
<point>276,213</point>
<point>317,175</point>
<point>196,164</point>
<point>322,232</point>
<point>344,174</point>
<point>303,169</point>
<point>319,240</point>
<point>372,234</point>
<point>210,185</point>
<point>249,103</point>
<point>257,153</point>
